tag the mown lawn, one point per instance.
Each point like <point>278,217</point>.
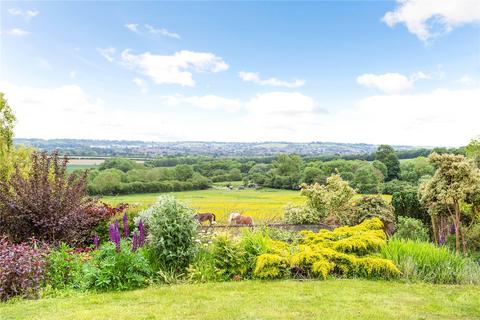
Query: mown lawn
<point>263,204</point>
<point>332,299</point>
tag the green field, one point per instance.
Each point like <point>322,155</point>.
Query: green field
<point>263,205</point>
<point>332,299</point>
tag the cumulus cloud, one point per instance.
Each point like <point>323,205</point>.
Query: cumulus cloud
<point>16,32</point>
<point>23,13</point>
<point>390,82</point>
<point>274,82</point>
<point>176,68</point>
<point>207,102</point>
<point>132,27</point>
<point>429,18</point>
<point>440,117</point>
<point>467,80</point>
<point>141,84</point>
<point>162,32</point>
<point>107,53</point>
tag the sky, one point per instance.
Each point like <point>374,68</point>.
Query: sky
<point>403,72</point>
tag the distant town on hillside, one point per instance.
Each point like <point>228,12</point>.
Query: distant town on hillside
<point>108,148</point>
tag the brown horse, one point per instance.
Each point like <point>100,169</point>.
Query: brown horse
<point>237,218</point>
<point>208,216</point>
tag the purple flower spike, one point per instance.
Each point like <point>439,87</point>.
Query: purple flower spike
<point>125,225</point>
<point>141,230</point>
<point>135,241</point>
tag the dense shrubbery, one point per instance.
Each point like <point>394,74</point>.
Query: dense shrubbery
<point>22,269</point>
<point>171,232</point>
<point>411,229</point>
<point>424,261</point>
<point>64,267</point>
<point>344,252</point>
<point>116,269</point>
<point>48,204</point>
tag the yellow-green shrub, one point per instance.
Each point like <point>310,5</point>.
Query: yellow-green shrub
<point>270,266</point>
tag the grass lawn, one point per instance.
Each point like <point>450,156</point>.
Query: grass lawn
<point>263,204</point>
<point>332,299</point>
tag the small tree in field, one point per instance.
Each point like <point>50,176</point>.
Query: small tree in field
<point>455,178</point>
<point>47,203</point>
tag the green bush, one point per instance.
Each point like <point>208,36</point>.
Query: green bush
<point>112,270</point>
<point>410,228</point>
<point>202,268</point>
<point>422,261</point>
<point>171,232</point>
<point>64,268</point>
<point>229,258</point>
<point>300,214</point>
<point>473,237</point>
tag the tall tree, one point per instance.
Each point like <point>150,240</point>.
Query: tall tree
<point>388,157</point>
<point>454,180</point>
<point>473,151</point>
<point>7,122</point>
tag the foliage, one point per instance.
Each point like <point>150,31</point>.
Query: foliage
<point>64,267</point>
<point>22,269</point>
<point>301,214</point>
<point>270,266</point>
<point>411,229</point>
<point>7,122</point>
<point>229,258</point>
<point>421,261</point>
<point>454,179</point>
<point>472,151</point>
<point>473,237</point>
<point>48,204</point>
<point>121,164</point>
<point>331,199</point>
<point>387,156</point>
<point>407,204</point>
<point>368,179</point>
<point>171,232</point>
<point>414,169</point>
<point>375,206</point>
<point>395,185</point>
<point>202,268</point>
<point>112,270</point>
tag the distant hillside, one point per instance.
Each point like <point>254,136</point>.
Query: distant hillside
<point>186,148</point>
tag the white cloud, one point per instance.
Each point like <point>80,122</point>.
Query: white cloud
<point>132,27</point>
<point>390,82</point>
<point>141,84</point>
<point>467,80</point>
<point>429,18</point>
<point>274,82</point>
<point>441,117</point>
<point>207,102</point>
<point>73,74</point>
<point>176,68</point>
<point>21,13</point>
<point>16,32</point>
<point>162,32</point>
<point>107,53</point>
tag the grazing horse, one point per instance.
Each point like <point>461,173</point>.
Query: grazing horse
<point>208,216</point>
<point>237,218</point>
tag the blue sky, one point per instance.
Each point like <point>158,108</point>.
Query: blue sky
<point>347,71</point>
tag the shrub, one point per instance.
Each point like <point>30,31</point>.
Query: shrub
<point>300,214</point>
<point>112,270</point>
<point>406,204</point>
<point>171,232</point>
<point>229,258</point>
<point>47,204</point>
<point>64,268</point>
<point>22,269</point>
<point>270,266</point>
<point>410,228</point>
<point>202,268</point>
<point>427,262</point>
<point>367,207</point>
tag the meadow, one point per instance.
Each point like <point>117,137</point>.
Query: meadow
<point>332,299</point>
<point>264,204</point>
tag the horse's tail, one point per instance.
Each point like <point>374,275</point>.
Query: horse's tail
<point>251,220</point>
<point>214,218</point>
